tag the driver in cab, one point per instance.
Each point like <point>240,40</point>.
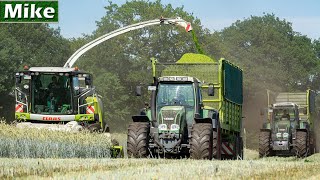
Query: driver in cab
<point>285,115</point>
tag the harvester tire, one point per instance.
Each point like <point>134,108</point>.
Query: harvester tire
<point>264,144</point>
<point>201,141</point>
<point>138,139</point>
<point>301,144</point>
<point>94,127</point>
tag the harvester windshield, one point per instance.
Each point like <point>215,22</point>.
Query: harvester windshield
<point>51,93</point>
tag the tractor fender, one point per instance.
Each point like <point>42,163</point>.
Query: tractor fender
<point>265,130</point>
<point>214,122</point>
<point>140,118</point>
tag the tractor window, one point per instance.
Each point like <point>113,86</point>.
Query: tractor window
<point>175,95</point>
<point>51,94</point>
<point>284,114</point>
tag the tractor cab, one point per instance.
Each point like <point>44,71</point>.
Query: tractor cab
<point>284,120</point>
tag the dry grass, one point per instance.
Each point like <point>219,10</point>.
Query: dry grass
<point>35,143</point>
<point>267,168</point>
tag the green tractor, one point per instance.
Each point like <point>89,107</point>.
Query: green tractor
<point>177,123</point>
<point>289,127</point>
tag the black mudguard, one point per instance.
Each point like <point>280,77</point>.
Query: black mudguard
<point>140,118</point>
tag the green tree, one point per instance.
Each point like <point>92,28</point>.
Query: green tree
<point>270,52</point>
<point>126,58</point>
<point>27,44</point>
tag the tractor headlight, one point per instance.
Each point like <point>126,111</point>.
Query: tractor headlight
<point>285,135</point>
<point>162,127</point>
<point>279,135</point>
<point>174,127</point>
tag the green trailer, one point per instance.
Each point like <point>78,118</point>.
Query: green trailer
<point>209,118</point>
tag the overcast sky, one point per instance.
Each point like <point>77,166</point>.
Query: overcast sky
<point>79,16</point>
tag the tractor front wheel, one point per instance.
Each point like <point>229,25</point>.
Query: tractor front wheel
<point>264,144</point>
<point>138,139</point>
<point>201,141</point>
<point>301,144</point>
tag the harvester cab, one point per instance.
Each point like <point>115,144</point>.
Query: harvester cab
<point>57,98</point>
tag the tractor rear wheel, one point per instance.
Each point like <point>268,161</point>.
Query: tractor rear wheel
<point>201,141</point>
<point>138,139</point>
<point>301,144</point>
<point>264,144</point>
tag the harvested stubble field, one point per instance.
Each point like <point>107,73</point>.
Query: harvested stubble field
<point>99,166</point>
<point>268,168</point>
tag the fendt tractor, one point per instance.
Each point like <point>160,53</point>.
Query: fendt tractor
<point>195,111</point>
<point>289,123</point>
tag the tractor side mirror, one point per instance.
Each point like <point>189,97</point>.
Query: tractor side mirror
<point>305,111</point>
<point>18,79</point>
<point>210,91</point>
<point>138,91</point>
<point>88,81</point>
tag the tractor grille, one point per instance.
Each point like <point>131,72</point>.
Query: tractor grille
<point>168,117</point>
<point>282,128</point>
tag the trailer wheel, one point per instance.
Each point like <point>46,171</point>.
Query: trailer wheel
<point>264,144</point>
<point>239,147</point>
<point>138,140</point>
<point>301,144</point>
<point>201,141</point>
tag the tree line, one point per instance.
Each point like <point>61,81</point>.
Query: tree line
<point>271,54</point>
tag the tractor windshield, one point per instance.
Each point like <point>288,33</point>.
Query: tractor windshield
<point>175,95</point>
<point>284,114</point>
<point>51,93</point>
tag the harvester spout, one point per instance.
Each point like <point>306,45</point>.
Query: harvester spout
<point>173,21</point>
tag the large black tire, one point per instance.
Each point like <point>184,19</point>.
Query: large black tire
<point>201,143</point>
<point>138,139</point>
<point>95,127</point>
<point>301,144</point>
<point>264,144</point>
<point>216,144</point>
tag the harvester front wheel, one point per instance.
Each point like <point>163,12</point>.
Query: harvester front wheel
<point>301,144</point>
<point>264,144</point>
<point>201,141</point>
<point>138,139</point>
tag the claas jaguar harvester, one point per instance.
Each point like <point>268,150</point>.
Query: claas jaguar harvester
<point>289,124</point>
<point>195,111</point>
<point>58,98</point>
